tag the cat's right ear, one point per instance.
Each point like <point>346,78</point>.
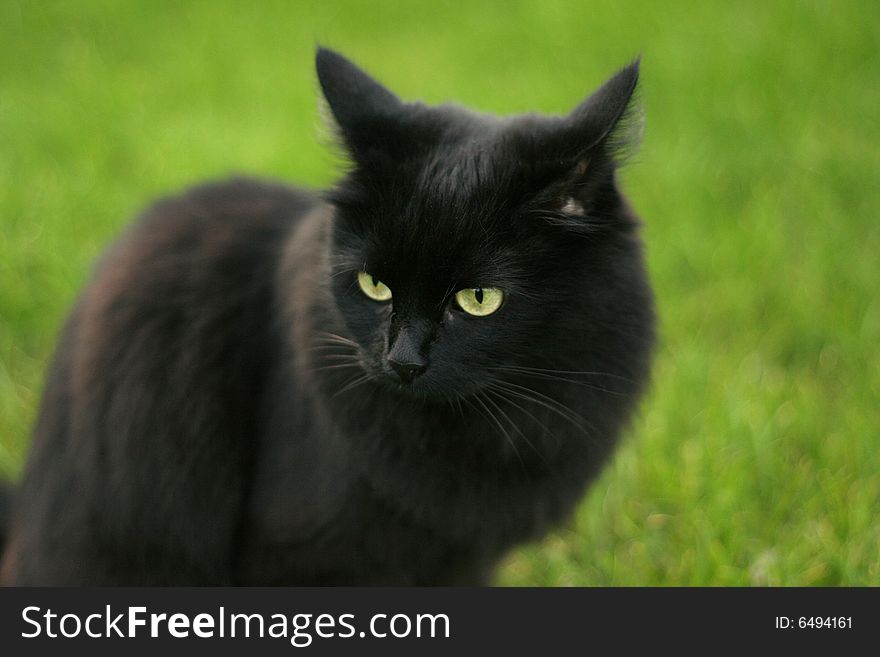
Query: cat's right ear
<point>364,111</point>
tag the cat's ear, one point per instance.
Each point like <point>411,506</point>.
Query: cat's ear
<point>605,117</point>
<point>353,96</point>
<point>364,111</point>
<point>581,150</point>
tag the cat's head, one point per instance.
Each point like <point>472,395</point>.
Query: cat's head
<point>463,243</point>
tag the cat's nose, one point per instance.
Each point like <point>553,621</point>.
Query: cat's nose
<point>405,370</point>
<point>405,355</point>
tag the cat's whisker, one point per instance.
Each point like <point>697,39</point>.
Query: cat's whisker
<point>501,429</point>
<point>334,345</point>
<point>513,424</point>
<point>528,394</point>
<point>344,272</point>
<point>454,403</point>
<point>445,297</point>
<point>335,336</point>
<point>334,352</point>
<point>553,377</point>
<point>332,341</point>
<point>337,366</point>
<point>524,368</point>
<point>349,357</point>
<point>320,351</point>
<point>357,381</point>
<point>330,346</point>
<point>503,396</point>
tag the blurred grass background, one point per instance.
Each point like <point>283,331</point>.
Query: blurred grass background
<point>756,457</point>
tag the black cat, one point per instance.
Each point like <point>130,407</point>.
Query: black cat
<point>391,383</point>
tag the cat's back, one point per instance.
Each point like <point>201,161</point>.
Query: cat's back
<point>189,286</point>
<point>196,239</point>
<point>160,365</point>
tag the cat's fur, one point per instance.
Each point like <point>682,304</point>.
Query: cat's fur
<point>220,409</point>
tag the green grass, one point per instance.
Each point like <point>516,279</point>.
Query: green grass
<point>756,457</point>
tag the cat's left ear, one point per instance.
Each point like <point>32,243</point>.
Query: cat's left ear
<point>603,117</point>
<point>581,150</point>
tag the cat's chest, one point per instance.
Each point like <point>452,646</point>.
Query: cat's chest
<point>318,522</point>
<point>347,497</point>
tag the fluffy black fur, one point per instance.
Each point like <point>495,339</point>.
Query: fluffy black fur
<point>221,409</point>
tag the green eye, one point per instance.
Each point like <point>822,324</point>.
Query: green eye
<point>373,287</point>
<point>479,301</point>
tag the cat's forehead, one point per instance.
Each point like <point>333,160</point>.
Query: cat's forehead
<point>455,216</point>
<point>430,244</point>
<point>480,156</point>
<point>452,215</point>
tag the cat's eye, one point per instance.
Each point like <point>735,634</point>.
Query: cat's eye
<point>373,287</point>
<point>479,301</point>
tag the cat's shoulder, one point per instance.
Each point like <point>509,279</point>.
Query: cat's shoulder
<point>212,220</point>
<point>210,240</point>
<point>237,199</point>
